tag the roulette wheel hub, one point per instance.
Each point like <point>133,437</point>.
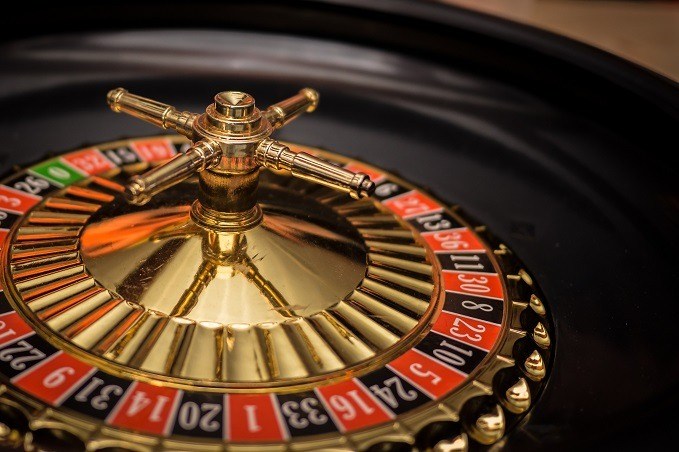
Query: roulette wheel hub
<point>239,273</point>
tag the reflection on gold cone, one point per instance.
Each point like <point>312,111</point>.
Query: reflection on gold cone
<point>383,313</point>
<point>372,332</point>
<point>104,238</point>
<point>33,271</point>
<point>86,193</point>
<point>47,232</point>
<point>298,296</point>
<point>46,217</point>
<point>94,295</point>
<point>42,249</point>
<point>71,205</point>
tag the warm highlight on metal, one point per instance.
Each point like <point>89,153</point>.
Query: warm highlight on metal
<point>325,294</point>
<point>230,141</point>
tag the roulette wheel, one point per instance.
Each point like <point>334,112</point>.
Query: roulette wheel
<point>461,237</point>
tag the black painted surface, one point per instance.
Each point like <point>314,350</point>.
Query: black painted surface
<point>556,147</point>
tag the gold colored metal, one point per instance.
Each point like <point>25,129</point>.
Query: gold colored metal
<point>286,110</point>
<point>230,141</point>
<point>320,289</point>
<point>489,427</point>
<point>537,306</point>
<point>517,397</point>
<point>541,336</point>
<point>10,436</point>
<point>157,291</point>
<point>43,218</point>
<point>277,156</point>
<point>204,154</point>
<point>157,113</point>
<point>71,205</point>
<point>458,444</point>
<point>535,366</point>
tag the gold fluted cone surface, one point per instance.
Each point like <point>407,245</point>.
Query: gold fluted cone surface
<point>323,285</point>
<point>291,265</point>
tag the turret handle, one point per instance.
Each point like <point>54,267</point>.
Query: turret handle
<point>231,139</point>
<point>283,112</point>
<point>149,110</point>
<point>202,155</point>
<point>272,154</point>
